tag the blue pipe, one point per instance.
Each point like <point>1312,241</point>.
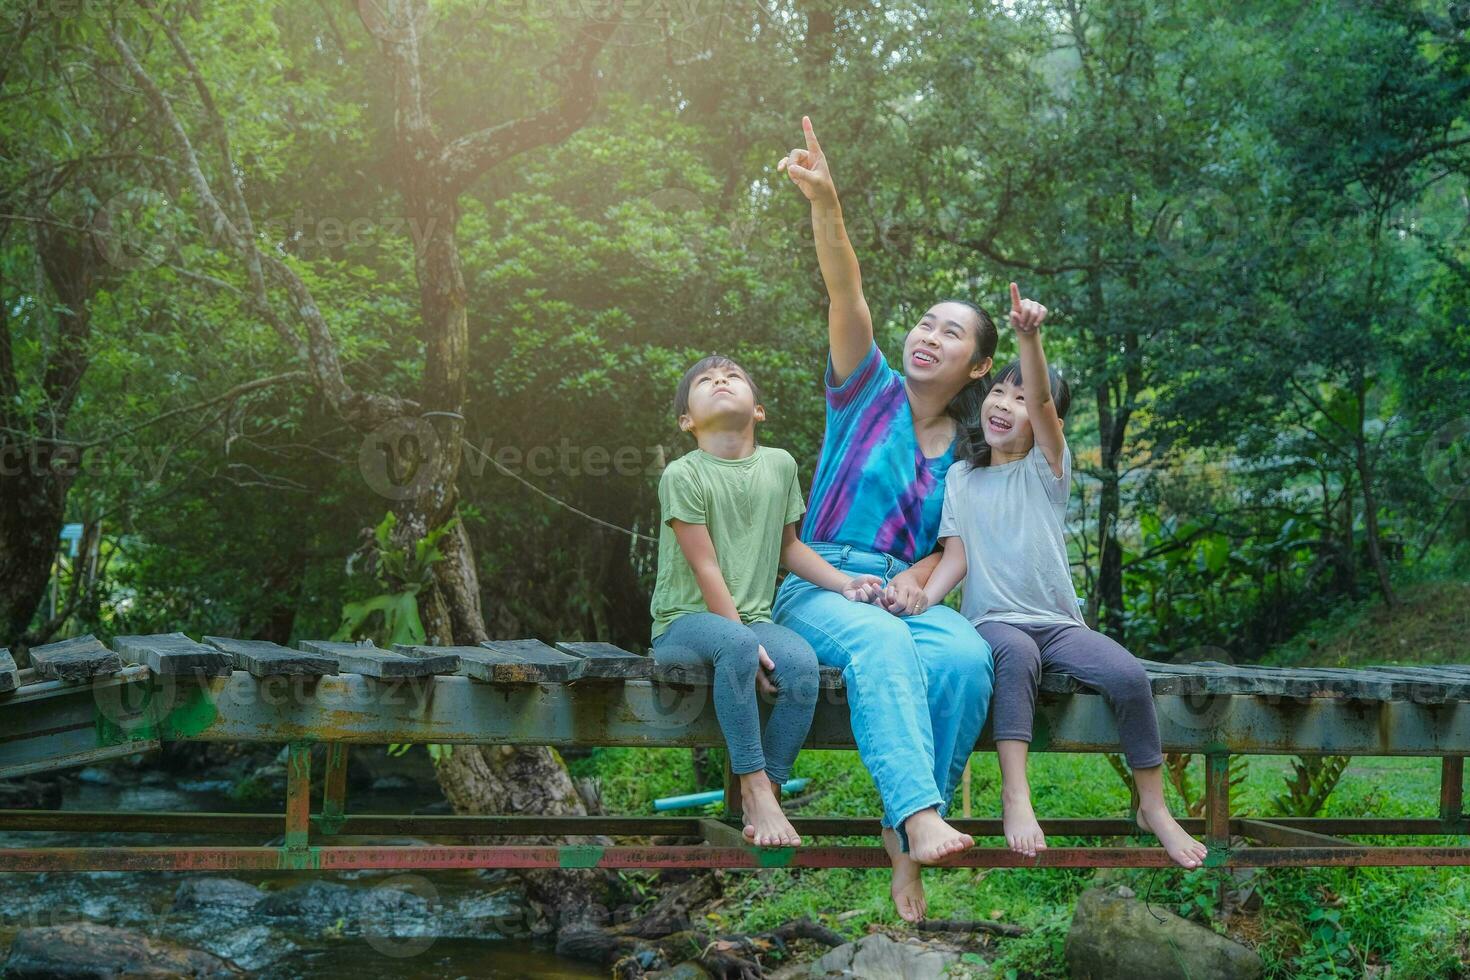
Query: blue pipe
<point>715,796</point>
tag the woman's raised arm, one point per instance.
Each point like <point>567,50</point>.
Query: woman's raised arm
<point>849,323</point>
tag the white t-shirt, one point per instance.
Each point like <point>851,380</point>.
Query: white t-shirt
<point>1011,519</point>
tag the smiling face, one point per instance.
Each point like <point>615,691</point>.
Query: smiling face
<point>941,349</point>
<point>1003,418</point>
<point>720,396</point>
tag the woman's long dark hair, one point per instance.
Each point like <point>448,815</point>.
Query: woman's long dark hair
<point>964,407</point>
<point>977,450</point>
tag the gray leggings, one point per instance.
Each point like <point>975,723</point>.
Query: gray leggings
<point>709,639</point>
<point>1021,653</point>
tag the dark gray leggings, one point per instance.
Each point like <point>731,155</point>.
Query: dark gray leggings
<point>707,638</point>
<point>1021,653</point>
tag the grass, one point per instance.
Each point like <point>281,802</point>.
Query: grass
<point>1314,922</point>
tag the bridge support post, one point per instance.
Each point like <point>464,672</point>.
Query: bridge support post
<point>1452,792</point>
<point>298,794</point>
<point>334,788</point>
<point>1217,801</point>
<point>734,808</point>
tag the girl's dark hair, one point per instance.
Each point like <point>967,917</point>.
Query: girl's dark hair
<point>681,394</point>
<point>1061,397</point>
<point>964,407</point>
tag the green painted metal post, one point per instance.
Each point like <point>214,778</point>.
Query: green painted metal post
<point>1217,801</point>
<point>1452,792</point>
<point>298,794</point>
<point>334,788</point>
<point>734,808</point>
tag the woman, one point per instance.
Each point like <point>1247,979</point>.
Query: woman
<point>918,677</point>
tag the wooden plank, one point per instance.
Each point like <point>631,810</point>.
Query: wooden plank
<point>9,675</point>
<point>76,659</point>
<point>605,662</point>
<point>369,661</point>
<point>173,653</point>
<point>510,662</point>
<point>1452,682</point>
<point>261,658</point>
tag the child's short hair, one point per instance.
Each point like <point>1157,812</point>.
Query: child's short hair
<point>681,394</point>
<point>1061,393</point>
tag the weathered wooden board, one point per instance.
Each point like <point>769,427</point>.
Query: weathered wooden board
<point>605,662</point>
<point>370,661</point>
<point>173,653</point>
<point>9,675</point>
<point>261,658</point>
<point>511,662</point>
<point>76,659</point>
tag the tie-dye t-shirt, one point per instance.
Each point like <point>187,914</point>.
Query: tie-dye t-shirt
<point>874,489</point>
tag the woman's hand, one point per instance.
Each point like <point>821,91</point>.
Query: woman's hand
<point>863,588</point>
<point>1026,314</point>
<point>904,596</point>
<point>808,168</point>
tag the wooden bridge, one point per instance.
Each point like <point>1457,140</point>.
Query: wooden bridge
<point>82,703</point>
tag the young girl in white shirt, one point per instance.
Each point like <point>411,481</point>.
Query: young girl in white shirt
<point>1004,534</point>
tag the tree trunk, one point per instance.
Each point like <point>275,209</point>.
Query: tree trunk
<point>475,779</point>
<point>35,475</point>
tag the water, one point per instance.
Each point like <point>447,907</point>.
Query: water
<point>347,925</point>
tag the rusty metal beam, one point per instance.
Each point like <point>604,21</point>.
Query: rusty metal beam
<point>1281,835</point>
<point>334,789</point>
<point>55,859</point>
<point>298,795</point>
<point>354,708</point>
<point>1217,801</point>
<point>1452,791</point>
<point>55,725</point>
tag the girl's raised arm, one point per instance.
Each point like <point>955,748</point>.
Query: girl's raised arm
<point>849,323</point>
<point>1026,317</point>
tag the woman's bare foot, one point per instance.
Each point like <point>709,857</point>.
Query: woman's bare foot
<point>1184,849</point>
<point>908,887</point>
<point>1023,833</point>
<point>765,823</point>
<point>931,840</point>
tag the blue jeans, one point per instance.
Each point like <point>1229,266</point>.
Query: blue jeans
<point>732,649</point>
<point>918,687</point>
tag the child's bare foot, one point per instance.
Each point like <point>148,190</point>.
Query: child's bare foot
<point>931,840</point>
<point>765,823</point>
<point>1023,833</point>
<point>908,887</point>
<point>1184,849</point>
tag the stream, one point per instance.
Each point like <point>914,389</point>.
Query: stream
<point>277,925</point>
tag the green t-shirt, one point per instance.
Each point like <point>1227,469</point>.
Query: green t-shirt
<point>746,504</point>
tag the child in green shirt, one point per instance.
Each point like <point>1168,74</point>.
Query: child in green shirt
<point>728,513</point>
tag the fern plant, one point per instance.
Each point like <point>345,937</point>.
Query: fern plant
<point>403,576</point>
<point>1312,780</point>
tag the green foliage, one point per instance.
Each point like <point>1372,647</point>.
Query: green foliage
<point>1312,780</point>
<point>393,617</point>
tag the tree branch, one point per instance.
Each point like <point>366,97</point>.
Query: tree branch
<point>464,159</point>
<point>320,350</point>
